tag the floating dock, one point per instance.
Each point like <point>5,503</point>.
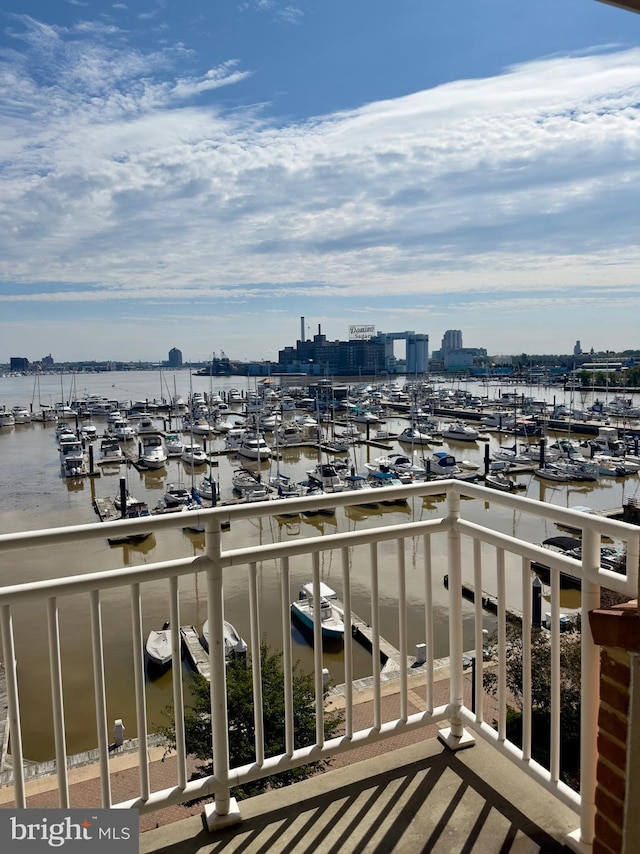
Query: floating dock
<point>106,510</point>
<point>363,633</point>
<point>195,652</point>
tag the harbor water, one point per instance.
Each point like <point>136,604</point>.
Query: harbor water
<point>35,495</point>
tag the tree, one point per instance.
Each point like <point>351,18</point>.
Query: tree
<point>241,721</point>
<point>570,663</point>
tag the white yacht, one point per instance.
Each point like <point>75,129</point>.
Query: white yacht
<point>326,475</point>
<point>153,452</point>
<point>254,447</point>
<point>174,444</point>
<point>6,418</point>
<point>460,432</point>
<point>193,455</point>
<point>122,430</point>
<point>21,415</point>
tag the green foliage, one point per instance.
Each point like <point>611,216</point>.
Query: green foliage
<point>633,376</point>
<point>241,724</point>
<point>570,664</point>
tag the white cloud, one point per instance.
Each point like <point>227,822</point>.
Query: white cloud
<point>121,171</point>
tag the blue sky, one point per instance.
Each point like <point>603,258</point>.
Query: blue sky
<point>201,174</point>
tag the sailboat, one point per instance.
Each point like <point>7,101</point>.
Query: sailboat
<point>282,483</point>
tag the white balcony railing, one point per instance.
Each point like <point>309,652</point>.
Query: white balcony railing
<point>479,553</point>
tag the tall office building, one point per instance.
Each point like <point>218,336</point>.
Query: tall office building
<point>452,340</point>
<point>175,358</point>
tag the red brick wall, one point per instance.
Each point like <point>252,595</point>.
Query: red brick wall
<point>612,750</point>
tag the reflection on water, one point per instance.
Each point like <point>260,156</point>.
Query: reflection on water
<point>34,495</point>
<point>131,550</point>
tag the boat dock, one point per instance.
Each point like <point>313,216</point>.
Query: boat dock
<point>363,633</point>
<point>195,652</point>
<point>106,510</point>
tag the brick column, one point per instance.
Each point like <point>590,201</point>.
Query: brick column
<point>617,824</point>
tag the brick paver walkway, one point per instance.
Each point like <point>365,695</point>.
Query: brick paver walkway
<point>84,783</point>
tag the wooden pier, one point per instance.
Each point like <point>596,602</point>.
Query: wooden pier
<point>195,652</point>
<point>106,510</point>
<point>363,633</point>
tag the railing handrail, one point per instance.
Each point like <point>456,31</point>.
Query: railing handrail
<point>216,559</point>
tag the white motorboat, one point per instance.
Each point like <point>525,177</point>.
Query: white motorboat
<point>326,475</point>
<point>444,465</point>
<point>173,444</point>
<point>153,454</point>
<point>89,429</point>
<point>497,420</point>
<point>386,479</point>
<point>254,447</point>
<point>146,425</point>
<point>223,424</point>
<point>269,421</point>
<point>331,615</point>
<point>176,496</point>
<point>110,450</point>
<point>365,416</point>
<point>7,419</point>
<point>358,483</point>
<point>73,467</point>
<point>233,438</point>
<point>499,480</point>
<point>414,436</point>
<point>234,644</point>
<point>610,466</point>
<point>201,427</point>
<point>404,467</point>
<point>158,646</point>
<point>469,465</point>
<point>71,455</point>
<point>21,415</point>
<point>124,431</point>
<point>458,431</point>
<point>193,455</point>
<point>249,485</point>
<point>289,433</point>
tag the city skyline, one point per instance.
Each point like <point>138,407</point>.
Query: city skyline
<point>199,177</point>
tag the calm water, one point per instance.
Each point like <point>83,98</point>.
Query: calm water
<point>34,496</point>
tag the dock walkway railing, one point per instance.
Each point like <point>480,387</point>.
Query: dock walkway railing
<point>383,551</point>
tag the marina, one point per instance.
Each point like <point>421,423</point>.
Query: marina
<point>36,495</point>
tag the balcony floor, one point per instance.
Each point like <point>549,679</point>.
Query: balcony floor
<point>419,798</point>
